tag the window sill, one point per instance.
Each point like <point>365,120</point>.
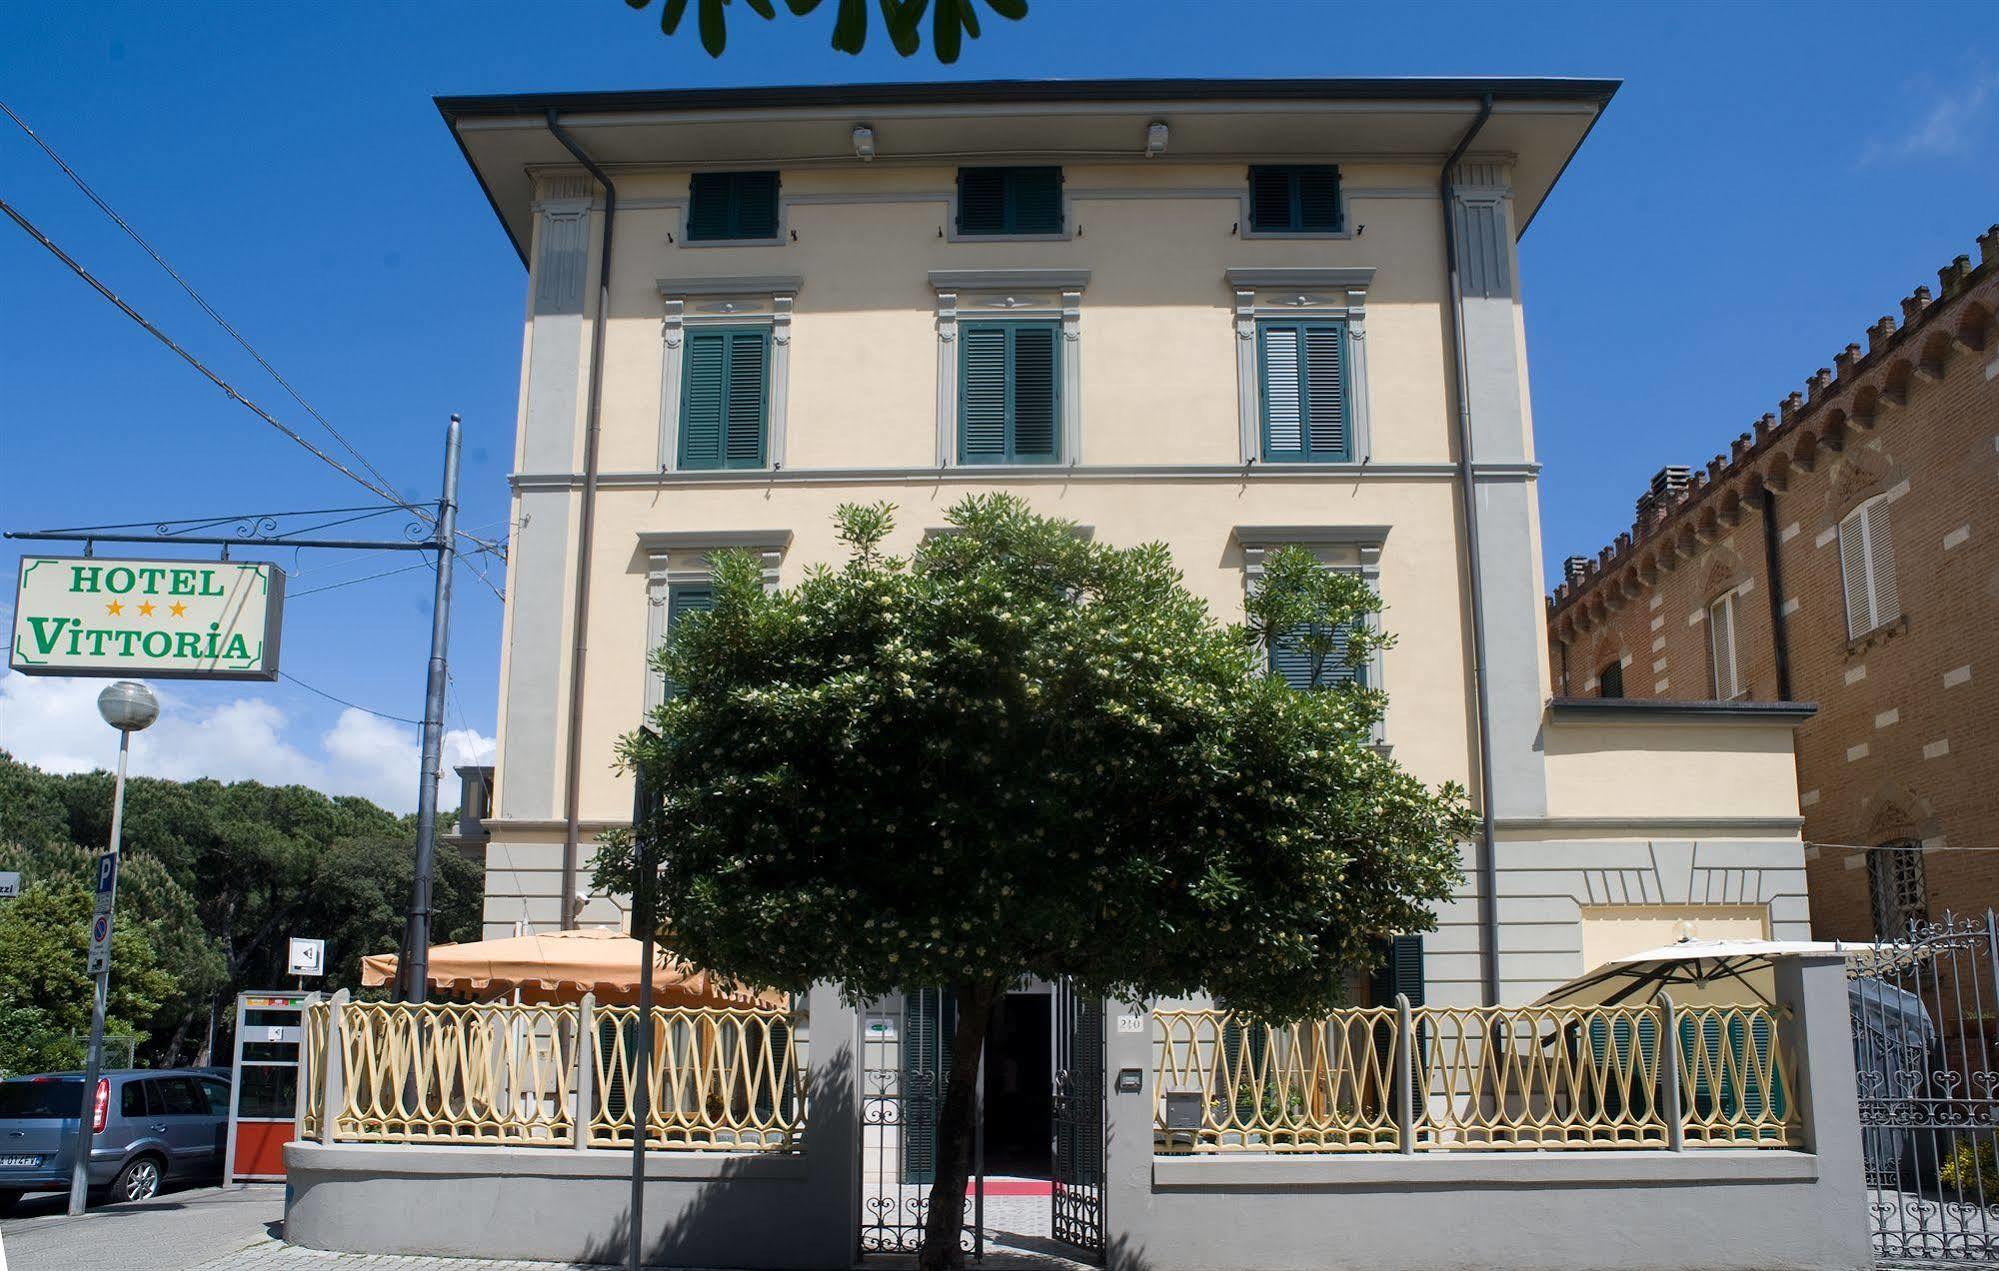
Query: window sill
<point>1250,235</point>
<point>779,241</point>
<point>1878,636</point>
<point>1062,236</point>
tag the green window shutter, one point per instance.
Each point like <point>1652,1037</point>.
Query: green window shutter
<point>1304,392</point>
<point>725,399</point>
<point>1318,200</point>
<point>1294,199</point>
<point>1401,971</point>
<point>1009,200</point>
<point>982,394</point>
<point>749,379</point>
<point>1009,392</point>
<point>681,600</point>
<point>1269,200</point>
<point>726,205</point>
<point>1034,392</point>
<point>1290,659</point>
<point>703,399</point>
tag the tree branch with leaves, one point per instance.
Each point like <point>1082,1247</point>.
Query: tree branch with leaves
<point>952,22</point>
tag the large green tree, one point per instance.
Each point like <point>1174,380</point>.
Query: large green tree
<point>222,874</point>
<point>1021,753</point>
<point>45,986</point>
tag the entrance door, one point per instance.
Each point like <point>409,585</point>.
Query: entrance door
<point>1019,1094</point>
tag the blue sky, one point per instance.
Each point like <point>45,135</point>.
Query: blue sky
<point>1771,179</point>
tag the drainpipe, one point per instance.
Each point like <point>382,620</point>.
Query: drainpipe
<point>1773,569</point>
<point>586,525</point>
<point>1488,869</point>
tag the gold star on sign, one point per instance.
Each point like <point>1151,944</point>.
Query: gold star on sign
<point>177,609</point>
<point>114,608</point>
<point>146,609</point>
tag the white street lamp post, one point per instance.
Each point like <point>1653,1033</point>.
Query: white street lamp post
<point>127,706</point>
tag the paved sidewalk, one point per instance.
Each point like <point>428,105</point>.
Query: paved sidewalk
<point>175,1231</point>
<point>273,1255</point>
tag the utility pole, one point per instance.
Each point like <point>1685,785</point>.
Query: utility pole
<point>128,707</point>
<point>416,934</point>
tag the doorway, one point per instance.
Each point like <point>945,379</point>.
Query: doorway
<point>1020,1079</point>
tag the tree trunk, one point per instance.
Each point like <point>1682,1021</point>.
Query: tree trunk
<point>956,1118</point>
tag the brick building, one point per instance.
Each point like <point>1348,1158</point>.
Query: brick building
<point>1841,553</point>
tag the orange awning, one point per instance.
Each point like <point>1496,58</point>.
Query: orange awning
<point>562,966</point>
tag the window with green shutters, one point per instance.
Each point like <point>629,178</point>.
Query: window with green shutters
<point>1009,392</point>
<point>725,398</point>
<point>726,205</point>
<point>1306,398</point>
<point>681,600</point>
<point>1001,201</point>
<point>1294,199</point>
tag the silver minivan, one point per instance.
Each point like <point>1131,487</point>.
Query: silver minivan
<point>151,1128</point>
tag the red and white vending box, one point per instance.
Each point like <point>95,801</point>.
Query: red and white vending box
<point>263,1083</point>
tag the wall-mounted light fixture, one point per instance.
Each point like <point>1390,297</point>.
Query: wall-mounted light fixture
<point>864,142</point>
<point>1155,140</point>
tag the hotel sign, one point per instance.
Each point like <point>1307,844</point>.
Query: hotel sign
<point>148,619</point>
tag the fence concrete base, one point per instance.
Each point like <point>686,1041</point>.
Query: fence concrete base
<point>701,1209</point>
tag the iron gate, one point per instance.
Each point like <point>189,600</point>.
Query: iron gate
<point>1925,1036</point>
<point>1078,1193</point>
<point>905,1059</point>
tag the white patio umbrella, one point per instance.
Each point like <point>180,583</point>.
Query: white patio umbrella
<point>1695,972</point>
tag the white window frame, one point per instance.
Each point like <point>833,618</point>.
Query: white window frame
<point>1308,295</point>
<point>766,302</point>
<point>969,295</point>
<point>1725,664</point>
<point>1867,568</point>
<point>681,559</point>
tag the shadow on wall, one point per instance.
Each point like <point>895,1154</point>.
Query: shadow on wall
<point>735,1221</point>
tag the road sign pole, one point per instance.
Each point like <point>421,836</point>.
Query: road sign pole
<point>79,1175</point>
<point>416,933</point>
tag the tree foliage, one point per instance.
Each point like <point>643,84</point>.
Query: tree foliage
<point>952,22</point>
<point>217,877</point>
<point>1019,753</point>
<point>45,986</point>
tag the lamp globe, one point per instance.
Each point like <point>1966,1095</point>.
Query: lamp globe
<point>128,706</point>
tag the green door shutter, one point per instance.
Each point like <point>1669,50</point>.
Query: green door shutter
<point>725,398</point>
<point>1400,972</point>
<point>929,1021</point>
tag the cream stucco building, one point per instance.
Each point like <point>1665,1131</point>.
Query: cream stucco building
<point>1221,315</point>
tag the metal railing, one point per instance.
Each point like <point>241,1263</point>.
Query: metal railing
<point>1320,1086</point>
<point>720,1078</point>
<point>1443,1079</point>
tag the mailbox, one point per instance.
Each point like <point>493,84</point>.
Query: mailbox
<point>263,1083</point>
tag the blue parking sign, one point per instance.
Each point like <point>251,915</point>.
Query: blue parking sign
<point>107,873</point>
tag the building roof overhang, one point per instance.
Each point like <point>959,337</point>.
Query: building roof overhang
<point>1536,124</point>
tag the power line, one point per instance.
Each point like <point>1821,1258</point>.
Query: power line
<point>344,702</point>
<point>227,388</point>
<point>194,295</point>
<point>349,582</point>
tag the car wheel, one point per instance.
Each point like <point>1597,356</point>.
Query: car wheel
<point>139,1180</point>
<point>8,1200</point>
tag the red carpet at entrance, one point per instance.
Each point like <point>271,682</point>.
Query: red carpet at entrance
<point>1017,1187</point>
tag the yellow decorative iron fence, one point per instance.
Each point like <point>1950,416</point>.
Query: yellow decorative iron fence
<point>453,1073</point>
<point>1441,1079</point>
<point>1538,1077</point>
<point>1227,1083</point>
<point>1738,1079</point>
<point>717,1080</point>
<point>312,1078</point>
